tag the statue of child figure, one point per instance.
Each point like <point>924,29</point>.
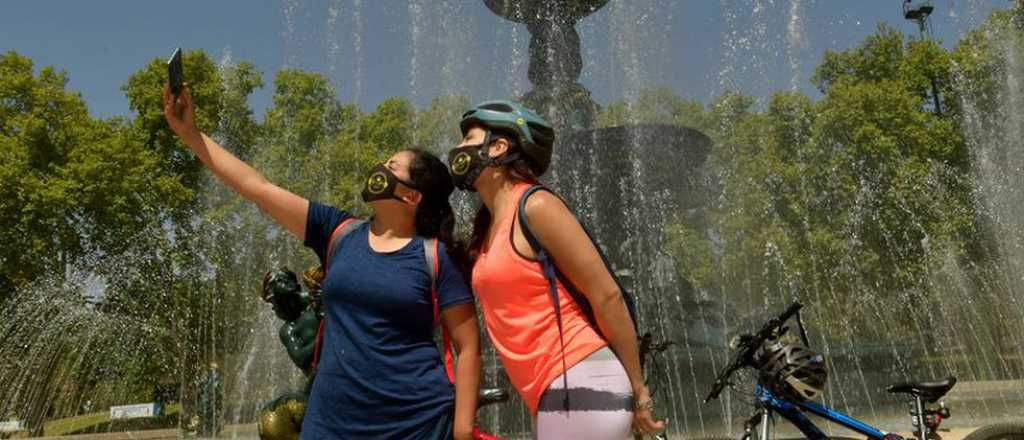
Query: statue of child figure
<point>281,418</point>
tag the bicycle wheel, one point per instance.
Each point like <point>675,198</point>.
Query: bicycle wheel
<point>998,431</point>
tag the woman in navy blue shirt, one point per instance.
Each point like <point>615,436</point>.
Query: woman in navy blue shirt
<point>380,374</point>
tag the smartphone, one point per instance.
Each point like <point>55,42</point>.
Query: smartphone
<point>175,75</point>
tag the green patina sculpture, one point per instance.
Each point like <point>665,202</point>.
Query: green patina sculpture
<point>292,305</point>
<point>281,418</point>
<point>301,311</point>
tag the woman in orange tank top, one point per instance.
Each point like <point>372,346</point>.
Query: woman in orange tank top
<point>576,382</point>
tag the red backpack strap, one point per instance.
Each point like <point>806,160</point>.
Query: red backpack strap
<point>344,228</point>
<point>431,253</point>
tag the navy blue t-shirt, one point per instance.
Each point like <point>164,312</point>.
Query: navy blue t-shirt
<point>380,373</point>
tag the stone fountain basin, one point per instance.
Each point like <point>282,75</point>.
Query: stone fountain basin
<point>610,162</point>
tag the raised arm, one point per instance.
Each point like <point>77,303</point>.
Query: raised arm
<point>287,209</point>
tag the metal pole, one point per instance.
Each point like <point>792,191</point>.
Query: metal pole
<point>922,25</point>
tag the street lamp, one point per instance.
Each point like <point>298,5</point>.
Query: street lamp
<point>919,12</point>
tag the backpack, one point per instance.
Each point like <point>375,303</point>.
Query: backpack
<point>553,275</point>
<point>430,253</point>
<point>550,269</point>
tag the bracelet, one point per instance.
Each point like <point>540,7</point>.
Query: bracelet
<point>644,405</point>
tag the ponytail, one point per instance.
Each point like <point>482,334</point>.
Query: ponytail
<point>481,223</point>
<point>435,217</point>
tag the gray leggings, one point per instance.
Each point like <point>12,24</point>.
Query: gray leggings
<point>600,402</point>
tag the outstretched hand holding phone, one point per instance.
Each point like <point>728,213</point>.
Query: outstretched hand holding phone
<point>175,72</point>
<point>181,115</point>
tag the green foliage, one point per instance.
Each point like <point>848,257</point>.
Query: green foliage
<point>238,130</point>
<point>73,186</point>
<point>145,89</point>
<point>655,106</point>
<point>389,127</point>
<point>694,253</point>
<point>864,192</point>
<point>986,75</point>
<point>305,111</point>
<point>878,58</point>
<point>437,126</point>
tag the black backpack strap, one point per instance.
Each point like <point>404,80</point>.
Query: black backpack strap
<point>524,223</point>
<point>551,266</point>
<point>548,267</point>
<point>553,275</point>
<point>551,271</point>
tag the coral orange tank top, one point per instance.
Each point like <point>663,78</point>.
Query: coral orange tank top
<point>520,317</point>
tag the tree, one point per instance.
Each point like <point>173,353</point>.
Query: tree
<point>74,187</point>
<point>437,126</point>
<point>655,106</point>
<point>237,130</point>
<point>145,89</point>
<point>864,192</point>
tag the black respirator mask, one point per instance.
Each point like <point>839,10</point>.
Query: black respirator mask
<point>466,163</point>
<point>381,184</point>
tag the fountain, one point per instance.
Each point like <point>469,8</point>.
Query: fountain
<point>555,61</point>
<point>670,157</point>
<point>628,182</point>
<point>625,182</point>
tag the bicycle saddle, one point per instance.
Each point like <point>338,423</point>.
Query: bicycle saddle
<point>929,391</point>
<point>490,396</point>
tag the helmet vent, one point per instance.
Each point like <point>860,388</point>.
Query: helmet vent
<point>498,107</point>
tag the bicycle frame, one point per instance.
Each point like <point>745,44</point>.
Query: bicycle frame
<point>796,414</point>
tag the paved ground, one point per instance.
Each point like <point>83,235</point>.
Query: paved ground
<point>247,432</point>
<point>963,394</point>
<point>240,432</point>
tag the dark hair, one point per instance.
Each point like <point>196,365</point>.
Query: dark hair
<point>434,215</point>
<point>523,169</point>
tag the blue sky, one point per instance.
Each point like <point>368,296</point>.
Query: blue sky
<point>374,49</point>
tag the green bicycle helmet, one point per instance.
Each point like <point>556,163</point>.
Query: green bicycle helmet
<point>536,136</point>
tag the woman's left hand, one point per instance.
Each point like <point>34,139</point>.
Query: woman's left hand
<point>643,414</point>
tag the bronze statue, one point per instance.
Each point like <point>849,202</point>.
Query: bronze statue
<point>281,418</point>
<point>301,311</point>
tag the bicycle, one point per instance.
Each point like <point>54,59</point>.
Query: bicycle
<point>927,409</point>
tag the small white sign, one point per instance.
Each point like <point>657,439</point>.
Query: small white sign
<point>12,426</point>
<point>133,411</point>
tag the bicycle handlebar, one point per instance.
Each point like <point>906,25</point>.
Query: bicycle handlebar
<point>748,344</point>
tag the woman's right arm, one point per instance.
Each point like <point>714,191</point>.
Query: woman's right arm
<point>286,208</point>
